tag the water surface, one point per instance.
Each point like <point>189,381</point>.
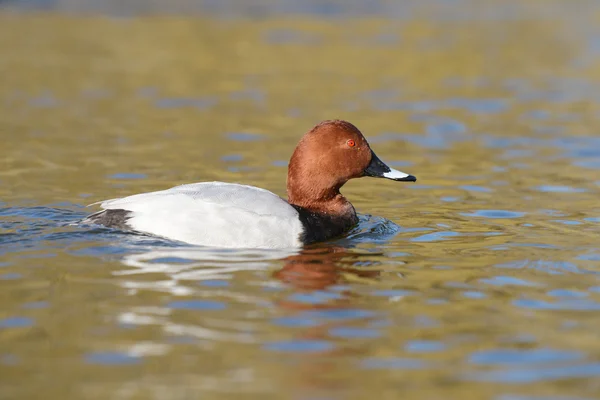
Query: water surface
<point>480,281</point>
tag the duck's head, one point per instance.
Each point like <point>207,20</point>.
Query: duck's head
<point>329,155</point>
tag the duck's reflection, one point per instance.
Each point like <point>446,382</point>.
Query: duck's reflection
<point>318,269</point>
<point>318,279</point>
<point>311,279</point>
<point>311,289</point>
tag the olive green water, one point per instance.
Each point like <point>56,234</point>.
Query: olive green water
<point>480,281</point>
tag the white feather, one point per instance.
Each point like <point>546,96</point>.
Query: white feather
<point>214,214</point>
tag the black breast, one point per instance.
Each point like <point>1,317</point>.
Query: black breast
<point>319,227</point>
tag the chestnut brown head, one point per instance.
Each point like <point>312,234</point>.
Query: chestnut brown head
<point>329,155</point>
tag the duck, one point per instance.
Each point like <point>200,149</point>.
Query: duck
<point>233,215</point>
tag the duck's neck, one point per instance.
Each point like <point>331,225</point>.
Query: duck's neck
<point>324,214</point>
<point>334,204</point>
<point>316,195</point>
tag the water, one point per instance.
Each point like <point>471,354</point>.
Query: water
<point>481,281</point>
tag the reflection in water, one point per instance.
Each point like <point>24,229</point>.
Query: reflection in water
<point>312,275</point>
<point>313,301</point>
<point>320,307</point>
<point>318,268</point>
<point>189,263</point>
<point>179,266</point>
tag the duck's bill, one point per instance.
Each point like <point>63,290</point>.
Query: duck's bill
<point>378,169</point>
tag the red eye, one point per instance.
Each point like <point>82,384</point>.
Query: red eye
<point>351,143</point>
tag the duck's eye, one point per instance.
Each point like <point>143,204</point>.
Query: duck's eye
<point>351,143</point>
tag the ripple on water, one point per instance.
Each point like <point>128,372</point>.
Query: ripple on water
<point>424,346</point>
<point>394,363</point>
<point>440,132</point>
<point>435,236</point>
<point>182,102</point>
<point>244,137</point>
<point>559,189</point>
<point>479,106</point>
<point>299,346</point>
<point>591,164</point>
<point>473,294</point>
<point>523,397</point>
<point>214,283</point>
<point>572,304</point>
<point>549,267</point>
<point>370,229</point>
<point>11,276</point>
<point>494,214</point>
<point>393,293</point>
<point>280,163</point>
<point>16,322</point>
<point>232,157</point>
<point>295,322</point>
<point>589,257</point>
<point>450,199</point>
<point>520,357</point>
<point>566,222</point>
<point>475,188</point>
<point>567,293</point>
<point>507,281</point>
<point>354,333</point>
<point>196,305</point>
<point>316,297</point>
<point>518,374</point>
<point>111,358</point>
<point>287,36</point>
<point>9,359</point>
<point>127,175</point>
<point>531,365</point>
<point>340,314</point>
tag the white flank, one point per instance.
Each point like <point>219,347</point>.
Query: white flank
<point>214,214</point>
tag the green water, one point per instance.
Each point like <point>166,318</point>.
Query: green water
<point>480,281</point>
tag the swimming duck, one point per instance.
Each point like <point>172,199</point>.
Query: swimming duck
<point>231,215</point>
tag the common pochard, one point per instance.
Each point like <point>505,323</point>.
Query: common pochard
<point>231,215</point>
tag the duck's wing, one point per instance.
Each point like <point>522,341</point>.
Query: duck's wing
<point>208,213</point>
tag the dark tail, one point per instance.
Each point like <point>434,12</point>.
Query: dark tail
<point>110,218</point>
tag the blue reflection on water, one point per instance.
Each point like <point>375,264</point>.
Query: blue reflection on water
<point>494,214</point>
<point>111,358</point>
<point>196,305</point>
<point>394,363</point>
<point>16,322</point>
<point>299,346</point>
<point>524,356</point>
